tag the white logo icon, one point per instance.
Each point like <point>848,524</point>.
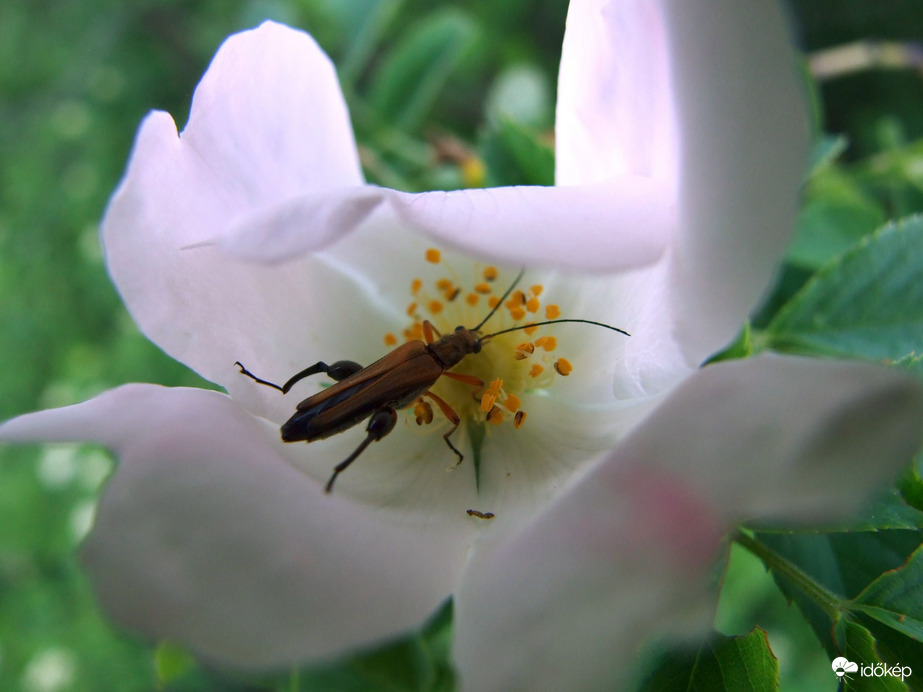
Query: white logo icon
<point>841,666</point>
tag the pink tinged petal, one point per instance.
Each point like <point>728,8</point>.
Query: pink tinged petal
<point>565,603</point>
<point>742,123</point>
<point>620,224</point>
<point>207,536</point>
<point>269,119</point>
<point>626,552</point>
<point>268,130</point>
<point>787,438</point>
<point>615,111</point>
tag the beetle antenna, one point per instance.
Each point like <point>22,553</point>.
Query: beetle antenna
<point>502,298</point>
<point>539,324</point>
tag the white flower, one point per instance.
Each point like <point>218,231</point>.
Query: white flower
<point>252,237</point>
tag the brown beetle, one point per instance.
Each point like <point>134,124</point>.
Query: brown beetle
<point>390,383</point>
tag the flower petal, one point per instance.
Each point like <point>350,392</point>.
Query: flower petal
<point>620,224</point>
<point>742,122</point>
<point>206,535</point>
<point>268,126</point>
<point>615,112</point>
<point>777,437</point>
<point>564,603</point>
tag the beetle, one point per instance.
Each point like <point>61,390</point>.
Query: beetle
<point>390,383</point>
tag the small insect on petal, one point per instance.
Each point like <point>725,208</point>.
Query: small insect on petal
<point>480,515</point>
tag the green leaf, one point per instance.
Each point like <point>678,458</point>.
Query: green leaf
<point>896,598</point>
<point>417,663</point>
<point>825,151</point>
<point>412,76</point>
<point>515,155</point>
<point>867,304</point>
<point>739,348</point>
<point>723,664</point>
<point>820,572</point>
<point>857,645</point>
<point>172,661</point>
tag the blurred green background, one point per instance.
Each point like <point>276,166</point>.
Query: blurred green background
<point>435,89</point>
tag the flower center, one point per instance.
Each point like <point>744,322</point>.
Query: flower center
<point>510,365</point>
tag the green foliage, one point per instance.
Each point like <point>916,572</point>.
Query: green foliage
<point>866,303</point>
<point>734,664</point>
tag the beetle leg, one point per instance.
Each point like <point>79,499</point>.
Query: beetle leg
<point>244,371</point>
<point>338,371</point>
<point>453,418</point>
<point>429,332</point>
<point>380,424</point>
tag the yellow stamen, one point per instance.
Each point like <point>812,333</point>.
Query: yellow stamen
<point>563,367</point>
<point>435,307</point>
<point>536,290</point>
<point>519,419</point>
<point>533,304</point>
<point>495,416</point>
<point>443,284</point>
<point>513,403</point>
<point>549,343</point>
<point>483,288</point>
<point>523,351</point>
<point>433,255</point>
<point>390,339</point>
<point>472,299</point>
<point>488,400</point>
<point>411,309</point>
<point>536,370</point>
<point>552,312</point>
<point>491,273</point>
<point>415,286</point>
<point>517,313</point>
<point>530,330</point>
<point>493,301</point>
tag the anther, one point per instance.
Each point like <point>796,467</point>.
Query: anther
<point>563,367</point>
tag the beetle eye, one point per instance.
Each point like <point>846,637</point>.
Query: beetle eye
<point>477,347</point>
<point>460,329</point>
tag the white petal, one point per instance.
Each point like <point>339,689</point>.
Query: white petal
<point>743,133</point>
<point>268,126</point>
<point>615,111</point>
<point>565,603</point>
<point>206,535</point>
<point>620,224</point>
<point>269,119</point>
<point>783,437</point>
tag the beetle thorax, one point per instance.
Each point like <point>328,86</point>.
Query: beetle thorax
<point>450,349</point>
